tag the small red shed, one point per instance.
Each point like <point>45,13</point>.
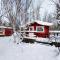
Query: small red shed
<point>38,28</point>
<point>6,31</point>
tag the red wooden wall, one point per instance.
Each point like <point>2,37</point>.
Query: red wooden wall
<point>41,34</point>
<point>8,32</point>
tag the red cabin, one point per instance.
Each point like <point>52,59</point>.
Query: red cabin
<point>6,31</point>
<point>38,28</point>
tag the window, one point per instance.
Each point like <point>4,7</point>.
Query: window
<point>40,28</point>
<point>31,28</point>
<point>1,29</point>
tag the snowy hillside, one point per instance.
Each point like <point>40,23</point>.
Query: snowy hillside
<point>26,51</point>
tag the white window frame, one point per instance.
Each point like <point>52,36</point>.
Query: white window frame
<point>31,27</point>
<point>3,31</point>
<point>38,27</point>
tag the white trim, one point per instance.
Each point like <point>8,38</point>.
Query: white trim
<point>40,27</point>
<point>5,27</point>
<point>28,31</point>
<point>3,31</point>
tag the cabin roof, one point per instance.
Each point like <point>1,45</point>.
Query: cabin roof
<point>41,23</point>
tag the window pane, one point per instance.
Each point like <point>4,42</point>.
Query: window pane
<point>31,28</point>
<point>40,28</point>
<point>1,29</point>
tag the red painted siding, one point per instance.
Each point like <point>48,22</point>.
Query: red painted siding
<point>41,34</point>
<point>8,32</point>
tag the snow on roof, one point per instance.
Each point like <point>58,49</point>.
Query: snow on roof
<point>4,27</point>
<point>41,22</point>
<point>54,31</point>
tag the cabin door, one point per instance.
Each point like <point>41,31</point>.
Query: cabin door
<point>31,28</point>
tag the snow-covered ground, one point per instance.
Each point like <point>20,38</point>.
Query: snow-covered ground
<point>26,51</point>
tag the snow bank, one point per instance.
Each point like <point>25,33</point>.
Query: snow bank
<point>26,51</point>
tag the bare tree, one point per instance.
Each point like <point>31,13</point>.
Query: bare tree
<point>57,3</point>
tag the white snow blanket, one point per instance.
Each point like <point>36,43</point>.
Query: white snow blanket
<point>26,51</point>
